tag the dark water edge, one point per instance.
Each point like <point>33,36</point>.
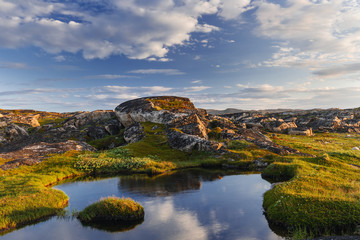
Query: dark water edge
<point>187,204</point>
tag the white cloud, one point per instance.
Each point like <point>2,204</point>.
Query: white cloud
<point>59,58</point>
<point>155,89</point>
<point>231,9</point>
<point>108,76</point>
<point>196,89</point>
<point>158,71</point>
<point>196,81</point>
<point>137,29</point>
<point>311,34</point>
<point>197,57</point>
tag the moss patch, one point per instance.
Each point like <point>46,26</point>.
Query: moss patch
<point>112,209</point>
<point>104,143</point>
<point>24,195</point>
<point>322,195</point>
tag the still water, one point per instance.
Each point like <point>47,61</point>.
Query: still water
<point>190,204</point>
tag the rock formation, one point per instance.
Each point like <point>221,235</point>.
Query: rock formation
<point>28,136</point>
<point>303,122</point>
<point>185,125</point>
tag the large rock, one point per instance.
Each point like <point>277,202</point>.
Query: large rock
<point>191,125</point>
<point>134,133</point>
<point>163,110</point>
<point>14,133</point>
<point>188,143</point>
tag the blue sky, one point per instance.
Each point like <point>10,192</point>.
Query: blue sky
<point>246,54</point>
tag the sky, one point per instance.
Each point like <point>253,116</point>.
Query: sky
<point>77,55</point>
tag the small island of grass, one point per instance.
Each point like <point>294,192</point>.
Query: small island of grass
<point>112,209</point>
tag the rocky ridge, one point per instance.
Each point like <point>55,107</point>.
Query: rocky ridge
<point>27,136</point>
<point>301,122</point>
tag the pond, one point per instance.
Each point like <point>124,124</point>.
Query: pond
<point>188,204</point>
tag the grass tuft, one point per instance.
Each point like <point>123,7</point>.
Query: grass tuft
<point>112,209</point>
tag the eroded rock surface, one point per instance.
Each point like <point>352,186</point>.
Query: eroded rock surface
<point>302,122</point>
<point>35,153</point>
<point>188,128</point>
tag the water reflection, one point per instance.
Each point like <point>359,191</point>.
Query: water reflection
<point>168,184</point>
<point>189,204</point>
<point>113,227</point>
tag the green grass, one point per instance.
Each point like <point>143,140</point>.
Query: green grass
<point>319,195</point>
<point>171,105</point>
<point>112,209</point>
<point>24,195</point>
<point>52,119</point>
<point>104,143</point>
<point>322,194</point>
<point>155,144</point>
<point>119,160</point>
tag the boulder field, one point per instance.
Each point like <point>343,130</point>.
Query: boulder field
<point>27,136</point>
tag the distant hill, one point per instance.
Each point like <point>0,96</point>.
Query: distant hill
<point>222,112</point>
<point>235,110</point>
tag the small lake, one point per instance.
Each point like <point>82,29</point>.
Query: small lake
<point>189,204</point>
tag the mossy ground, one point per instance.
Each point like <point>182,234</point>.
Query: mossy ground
<point>24,195</point>
<point>322,194</point>
<point>112,209</point>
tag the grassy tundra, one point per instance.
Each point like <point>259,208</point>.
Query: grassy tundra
<point>317,196</point>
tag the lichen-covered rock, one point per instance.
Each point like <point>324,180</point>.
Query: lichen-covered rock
<point>319,120</point>
<point>134,133</point>
<point>35,153</point>
<point>188,143</point>
<point>163,110</point>
<point>14,132</point>
<point>191,125</point>
<point>305,132</point>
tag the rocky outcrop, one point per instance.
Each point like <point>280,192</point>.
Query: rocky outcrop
<point>191,125</point>
<point>301,121</point>
<point>35,153</point>
<point>163,110</point>
<point>10,132</point>
<point>26,145</point>
<point>187,128</point>
<point>134,133</point>
<point>188,143</point>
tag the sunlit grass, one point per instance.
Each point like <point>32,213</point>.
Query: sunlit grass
<point>112,209</point>
<point>323,193</point>
<point>24,195</point>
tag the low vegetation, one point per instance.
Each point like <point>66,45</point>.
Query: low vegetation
<point>321,195</point>
<point>171,104</point>
<point>24,193</point>
<point>112,209</point>
<point>317,195</point>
